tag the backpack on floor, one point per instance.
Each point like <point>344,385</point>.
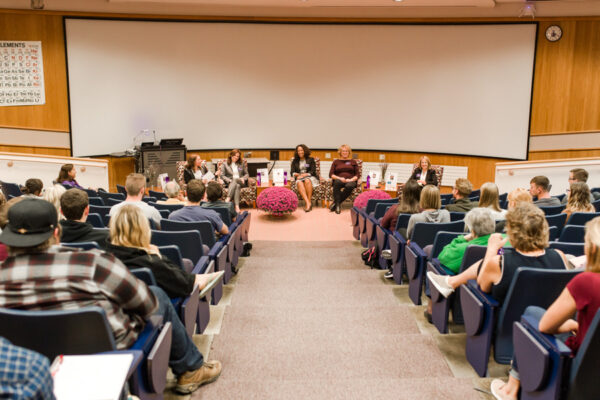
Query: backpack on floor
<point>370,257</point>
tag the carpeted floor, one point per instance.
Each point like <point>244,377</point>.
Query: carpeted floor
<point>306,320</point>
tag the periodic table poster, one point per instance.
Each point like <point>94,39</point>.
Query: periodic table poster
<point>21,73</point>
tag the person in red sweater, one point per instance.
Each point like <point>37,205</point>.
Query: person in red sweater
<point>344,177</point>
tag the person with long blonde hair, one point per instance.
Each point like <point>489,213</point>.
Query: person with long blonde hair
<point>130,242</point>
<point>490,199</point>
<point>344,177</point>
<point>579,199</point>
<point>581,296</point>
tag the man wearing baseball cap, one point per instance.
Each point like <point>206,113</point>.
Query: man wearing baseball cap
<point>40,276</point>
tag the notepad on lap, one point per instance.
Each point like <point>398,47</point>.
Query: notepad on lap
<point>91,377</point>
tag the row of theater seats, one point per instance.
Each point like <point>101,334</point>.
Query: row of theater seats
<point>87,331</point>
<point>551,372</point>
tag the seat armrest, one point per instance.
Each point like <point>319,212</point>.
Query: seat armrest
<point>201,265</point>
<point>212,254</point>
<point>484,297</point>
<point>531,324</point>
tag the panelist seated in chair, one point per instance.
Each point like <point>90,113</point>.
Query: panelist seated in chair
<point>194,212</point>
<point>130,242</point>
<point>344,177</point>
<point>174,194</point>
<point>74,206</point>
<point>214,192</point>
<point>528,231</point>
<point>581,296</point>
<point>196,168</point>
<point>423,174</point>
<point>53,278</point>
<point>304,171</point>
<point>135,185</point>
<point>234,173</point>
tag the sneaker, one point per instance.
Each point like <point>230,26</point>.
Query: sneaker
<point>386,254</point>
<point>441,283</point>
<point>428,316</point>
<point>495,388</point>
<point>389,275</point>
<point>192,380</point>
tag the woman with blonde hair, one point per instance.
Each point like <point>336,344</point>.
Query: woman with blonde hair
<point>581,296</point>
<point>579,199</point>
<point>344,177</point>
<point>130,242</point>
<point>430,205</point>
<point>424,174</point>
<point>490,199</point>
<point>52,195</point>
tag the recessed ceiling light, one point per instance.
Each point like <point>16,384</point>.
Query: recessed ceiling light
<point>398,1</point>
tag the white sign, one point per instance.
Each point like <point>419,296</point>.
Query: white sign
<point>391,181</point>
<point>262,177</point>
<point>278,177</point>
<point>21,73</point>
<point>375,176</point>
<point>162,180</point>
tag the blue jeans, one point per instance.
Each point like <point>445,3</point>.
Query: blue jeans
<point>184,355</point>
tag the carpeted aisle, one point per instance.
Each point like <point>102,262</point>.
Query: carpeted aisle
<point>308,321</point>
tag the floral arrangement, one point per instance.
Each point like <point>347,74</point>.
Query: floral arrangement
<point>364,197</point>
<point>277,201</point>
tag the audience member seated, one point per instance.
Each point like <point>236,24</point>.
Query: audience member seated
<point>581,297</point>
<point>490,199</point>
<point>424,175</point>
<point>235,174</point>
<point>481,225</point>
<point>73,279</point>
<point>515,197</point>
<point>344,177</point>
<point>539,187</point>
<point>214,192</point>
<point>304,170</point>
<point>74,206</point>
<point>577,175</point>
<point>196,169</point>
<point>66,176</point>
<point>579,199</point>
<point>408,203</point>
<point>33,188</point>
<point>4,207</point>
<point>130,243</point>
<point>135,185</point>
<point>527,231</point>
<point>430,205</point>
<point>24,374</point>
<point>174,194</point>
<point>53,194</point>
<point>460,193</point>
<point>194,212</point>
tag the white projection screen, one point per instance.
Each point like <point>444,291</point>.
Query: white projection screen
<point>453,89</point>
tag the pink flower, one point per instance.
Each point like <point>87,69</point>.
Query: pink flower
<point>277,201</point>
<point>363,198</point>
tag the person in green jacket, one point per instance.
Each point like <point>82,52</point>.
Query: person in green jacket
<point>481,225</point>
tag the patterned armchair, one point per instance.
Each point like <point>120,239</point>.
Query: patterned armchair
<point>181,182</point>
<point>318,192</point>
<point>358,190</point>
<point>439,172</point>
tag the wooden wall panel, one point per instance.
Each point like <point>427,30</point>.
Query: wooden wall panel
<point>54,115</point>
<point>560,154</point>
<point>51,151</point>
<point>566,95</point>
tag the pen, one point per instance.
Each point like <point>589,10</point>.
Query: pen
<point>56,365</point>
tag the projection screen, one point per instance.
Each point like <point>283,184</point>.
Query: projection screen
<point>454,89</point>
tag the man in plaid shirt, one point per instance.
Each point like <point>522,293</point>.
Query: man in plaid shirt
<point>39,276</point>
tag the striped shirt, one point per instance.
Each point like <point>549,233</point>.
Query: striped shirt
<point>24,374</point>
<point>63,279</point>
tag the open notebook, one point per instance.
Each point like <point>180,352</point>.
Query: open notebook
<point>90,377</point>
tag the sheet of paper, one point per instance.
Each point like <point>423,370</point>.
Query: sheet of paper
<point>90,377</point>
<point>391,181</point>
<point>375,176</point>
<point>264,176</point>
<point>209,176</point>
<point>278,177</point>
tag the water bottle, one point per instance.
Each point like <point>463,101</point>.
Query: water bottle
<point>258,179</point>
<point>284,178</point>
<point>368,181</point>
